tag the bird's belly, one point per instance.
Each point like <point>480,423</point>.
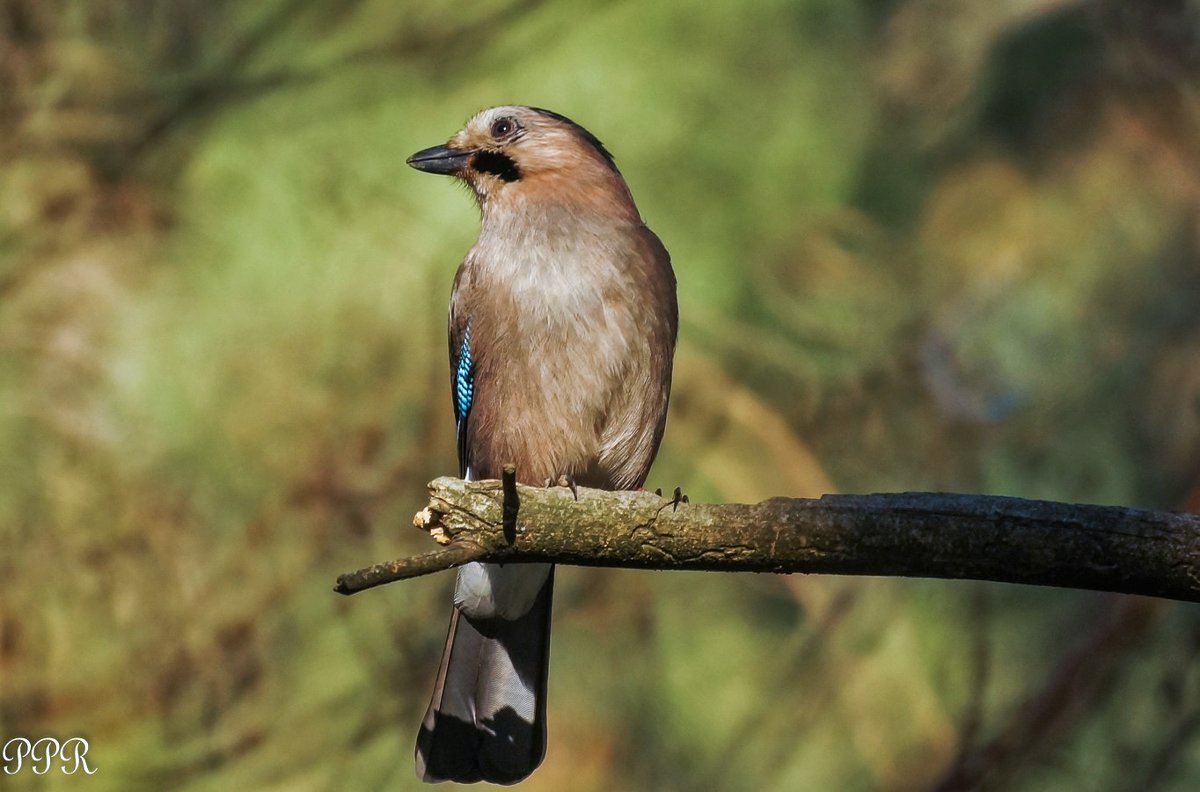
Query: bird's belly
<point>547,424</point>
<point>546,403</point>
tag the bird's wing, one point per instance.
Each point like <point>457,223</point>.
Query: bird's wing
<point>462,380</point>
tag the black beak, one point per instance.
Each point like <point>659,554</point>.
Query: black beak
<point>440,159</point>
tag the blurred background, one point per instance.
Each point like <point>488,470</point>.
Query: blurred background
<point>920,245</point>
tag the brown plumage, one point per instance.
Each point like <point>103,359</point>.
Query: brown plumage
<point>562,331</point>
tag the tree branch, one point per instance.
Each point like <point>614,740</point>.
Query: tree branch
<point>936,535</point>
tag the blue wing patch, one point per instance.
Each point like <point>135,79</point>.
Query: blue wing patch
<point>462,383</point>
<point>464,378</point>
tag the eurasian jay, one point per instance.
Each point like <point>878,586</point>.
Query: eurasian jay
<point>562,331</point>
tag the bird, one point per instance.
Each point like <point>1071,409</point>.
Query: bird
<point>562,329</point>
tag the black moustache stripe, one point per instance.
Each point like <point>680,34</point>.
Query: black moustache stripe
<point>498,164</point>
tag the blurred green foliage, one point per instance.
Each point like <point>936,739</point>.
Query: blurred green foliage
<point>919,245</point>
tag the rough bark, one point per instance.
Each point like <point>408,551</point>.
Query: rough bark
<point>937,535</point>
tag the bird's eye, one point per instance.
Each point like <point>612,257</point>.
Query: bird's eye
<point>503,127</point>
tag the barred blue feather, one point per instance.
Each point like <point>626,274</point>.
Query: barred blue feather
<point>462,385</point>
<point>464,378</point>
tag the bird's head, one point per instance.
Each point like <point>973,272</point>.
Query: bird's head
<point>513,153</point>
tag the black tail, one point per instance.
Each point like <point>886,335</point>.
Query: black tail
<point>487,719</point>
